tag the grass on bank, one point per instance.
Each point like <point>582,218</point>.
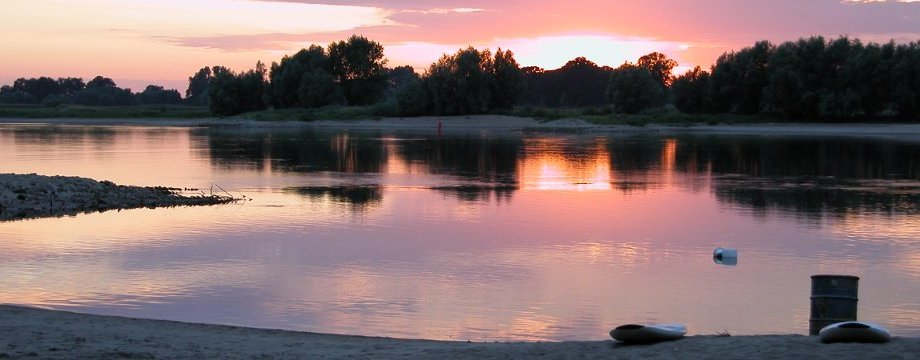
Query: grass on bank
<point>371,112</point>
<point>596,115</point>
<point>602,115</point>
<point>104,112</point>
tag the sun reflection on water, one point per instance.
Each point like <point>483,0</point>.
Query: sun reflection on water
<point>547,165</point>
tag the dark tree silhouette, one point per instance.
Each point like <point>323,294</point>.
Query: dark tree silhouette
<point>689,91</point>
<point>738,79</point>
<point>578,83</point>
<point>533,86</point>
<point>786,92</point>
<point>808,79</point>
<point>318,88</point>
<point>398,77</point>
<point>507,80</point>
<point>816,79</point>
<point>10,95</point>
<point>287,77</point>
<point>633,89</point>
<point>231,93</point>
<point>100,82</point>
<point>905,91</point>
<point>157,95</point>
<point>460,83</point>
<point>358,66</point>
<point>102,91</point>
<point>38,88</point>
<point>197,92</point>
<point>412,98</point>
<point>869,74</point>
<point>659,66</point>
<point>407,91</point>
<point>71,86</point>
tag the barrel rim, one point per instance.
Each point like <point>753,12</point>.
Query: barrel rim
<point>834,296</point>
<point>834,276</point>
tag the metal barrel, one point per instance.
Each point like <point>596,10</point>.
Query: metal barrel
<point>833,300</point>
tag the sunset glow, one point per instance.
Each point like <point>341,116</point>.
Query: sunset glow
<point>551,52</point>
<point>140,42</point>
<point>548,167</point>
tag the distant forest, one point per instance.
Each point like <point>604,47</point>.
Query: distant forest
<point>809,79</point>
<point>100,91</point>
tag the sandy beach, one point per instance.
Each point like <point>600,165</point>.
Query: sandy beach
<point>45,334</point>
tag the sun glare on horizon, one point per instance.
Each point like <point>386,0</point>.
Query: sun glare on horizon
<point>547,52</point>
<point>551,52</point>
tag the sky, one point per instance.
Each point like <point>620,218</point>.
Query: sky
<point>140,42</point>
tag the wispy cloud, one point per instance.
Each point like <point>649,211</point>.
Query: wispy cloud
<point>191,18</point>
<point>240,43</point>
<point>440,11</point>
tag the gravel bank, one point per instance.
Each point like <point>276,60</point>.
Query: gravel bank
<point>24,196</point>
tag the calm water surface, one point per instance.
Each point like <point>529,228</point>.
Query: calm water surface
<point>471,236</point>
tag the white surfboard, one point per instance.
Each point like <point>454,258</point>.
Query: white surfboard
<point>854,331</point>
<point>648,333</point>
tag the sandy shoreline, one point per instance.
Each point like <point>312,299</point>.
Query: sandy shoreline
<point>450,124</point>
<point>25,196</point>
<point>37,333</point>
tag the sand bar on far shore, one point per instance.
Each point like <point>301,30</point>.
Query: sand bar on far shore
<point>451,124</point>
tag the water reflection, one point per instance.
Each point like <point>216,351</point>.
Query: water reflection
<point>814,199</point>
<point>146,156</point>
<point>292,152</point>
<point>553,163</point>
<point>797,175</point>
<point>489,159</point>
<point>479,236</point>
<point>359,197</point>
<point>478,193</point>
<point>62,135</point>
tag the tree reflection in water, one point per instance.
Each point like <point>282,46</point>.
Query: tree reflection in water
<point>806,176</point>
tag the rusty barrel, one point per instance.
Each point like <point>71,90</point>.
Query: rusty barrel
<point>833,300</point>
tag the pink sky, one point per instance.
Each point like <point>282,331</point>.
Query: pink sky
<point>138,42</point>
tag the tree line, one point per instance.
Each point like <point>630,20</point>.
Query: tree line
<point>470,81</point>
<point>99,91</point>
<point>629,88</point>
<point>811,78</point>
<point>353,72</point>
<point>808,79</point>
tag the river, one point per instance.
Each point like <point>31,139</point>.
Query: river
<point>474,235</point>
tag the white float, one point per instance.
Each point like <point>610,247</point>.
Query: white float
<point>723,256</point>
<point>854,331</point>
<point>648,333</point>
